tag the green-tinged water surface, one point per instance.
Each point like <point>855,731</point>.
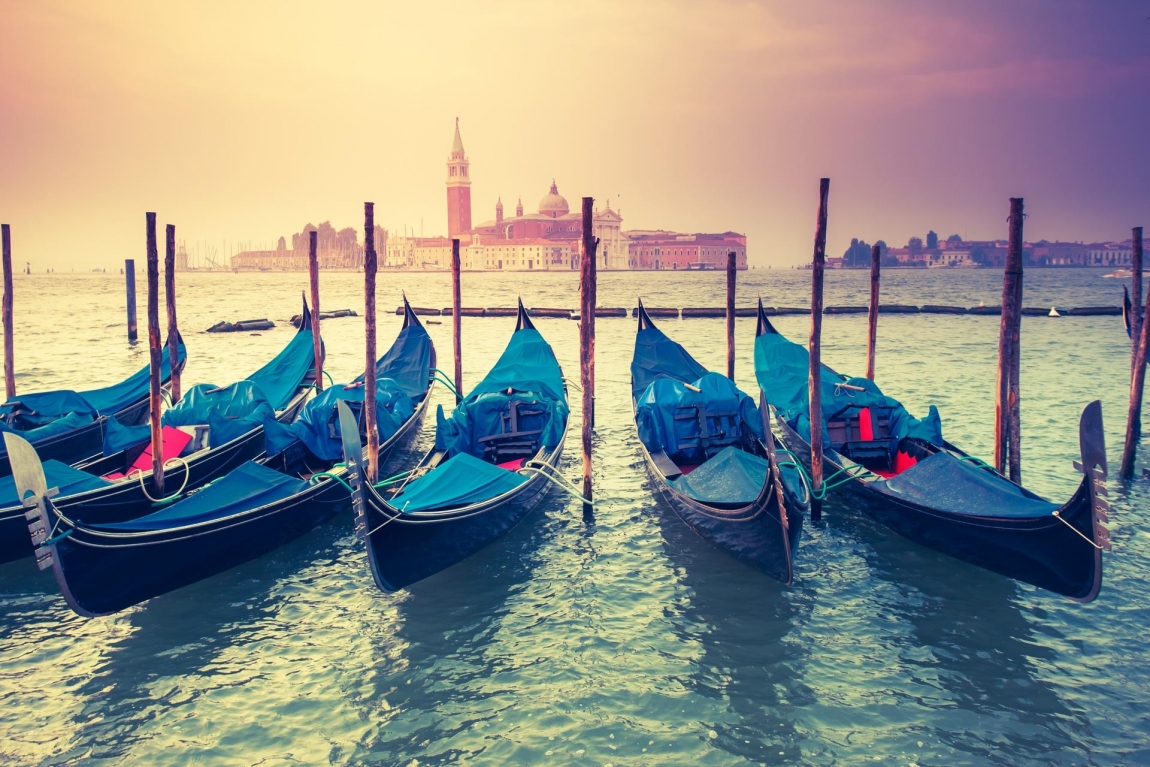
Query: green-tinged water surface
<point>622,640</point>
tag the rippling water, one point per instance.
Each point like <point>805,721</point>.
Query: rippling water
<point>624,640</point>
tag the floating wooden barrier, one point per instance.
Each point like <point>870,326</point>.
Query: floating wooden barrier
<point>562,314</point>
<point>610,311</point>
<point>791,310</point>
<point>898,309</point>
<point>464,311</point>
<point>938,309</point>
<point>695,311</point>
<point>501,311</point>
<point>657,312</point>
<point>295,320</point>
<point>997,310</point>
<point>422,311</point>
<point>1095,311</point>
<point>845,310</point>
<point>241,326</point>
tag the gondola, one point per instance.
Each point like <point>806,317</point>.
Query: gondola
<point>207,434</point>
<point>711,455</point>
<point>487,471</point>
<point>900,471</point>
<point>69,426</point>
<point>256,508</point>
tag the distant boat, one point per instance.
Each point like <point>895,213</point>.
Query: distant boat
<point>1120,274</point>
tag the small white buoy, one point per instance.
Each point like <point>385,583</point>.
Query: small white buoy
<point>1053,313</point>
<point>982,303</point>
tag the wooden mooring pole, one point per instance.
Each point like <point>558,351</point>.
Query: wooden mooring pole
<point>456,322</point>
<point>369,269</point>
<point>170,300</point>
<point>1007,436</point>
<point>815,384</point>
<point>155,354</point>
<point>1137,379</point>
<point>1136,302</point>
<point>872,312</point>
<point>130,282</point>
<point>732,265</point>
<point>313,278</point>
<point>587,273</point>
<point>9,340</point>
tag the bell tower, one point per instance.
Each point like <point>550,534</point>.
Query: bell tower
<point>458,188</point>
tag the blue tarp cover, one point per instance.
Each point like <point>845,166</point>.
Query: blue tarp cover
<point>656,408</point>
<point>61,425</point>
<point>113,399</point>
<point>782,369</point>
<point>248,487</point>
<point>43,407</point>
<point>314,426</point>
<point>281,378</point>
<point>731,476</point>
<point>407,362</point>
<point>458,481</point>
<point>527,367</point>
<point>228,411</point>
<point>945,482</point>
<point>119,437</point>
<point>70,482</point>
<point>657,356</point>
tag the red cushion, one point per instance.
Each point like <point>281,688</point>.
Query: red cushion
<point>866,426</point>
<point>515,465</point>
<point>175,441</point>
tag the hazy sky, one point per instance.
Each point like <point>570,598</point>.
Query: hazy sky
<point>242,121</point>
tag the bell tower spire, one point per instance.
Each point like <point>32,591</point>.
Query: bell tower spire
<point>458,188</point>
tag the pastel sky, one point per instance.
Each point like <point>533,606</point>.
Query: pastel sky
<point>242,121</point>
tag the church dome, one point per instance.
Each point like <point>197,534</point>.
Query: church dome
<point>554,204</point>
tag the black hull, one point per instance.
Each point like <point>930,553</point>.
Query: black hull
<point>127,500</point>
<point>405,548</point>
<point>99,575</point>
<point>1041,551</point>
<point>754,534</point>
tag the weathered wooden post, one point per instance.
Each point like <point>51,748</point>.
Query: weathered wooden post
<point>155,354</point>
<point>1136,302</point>
<point>130,282</point>
<point>313,276</point>
<point>9,341</point>
<point>456,322</point>
<point>369,269</point>
<point>170,297</point>
<point>587,273</point>
<point>872,313</point>
<point>816,395</point>
<point>731,267</point>
<point>1137,381</point>
<point>1007,439</point>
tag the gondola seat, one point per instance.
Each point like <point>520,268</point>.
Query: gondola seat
<point>515,442</point>
<point>174,442</point>
<point>863,435</point>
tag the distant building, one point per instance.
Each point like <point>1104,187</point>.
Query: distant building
<point>1110,253</point>
<point>334,250</point>
<point>672,251</point>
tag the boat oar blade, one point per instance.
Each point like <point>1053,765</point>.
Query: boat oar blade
<point>353,457</point>
<point>28,474</point>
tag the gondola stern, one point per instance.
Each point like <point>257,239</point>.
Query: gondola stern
<point>1092,444</point>
<point>645,322</point>
<point>305,316</point>
<point>763,326</point>
<point>410,319</point>
<point>523,320</point>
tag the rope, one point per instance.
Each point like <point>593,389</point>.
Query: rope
<point>173,496</point>
<point>441,376</point>
<point>537,467</point>
<point>330,380</point>
<point>314,479</point>
<point>392,480</point>
<point>1077,532</point>
<point>828,485</point>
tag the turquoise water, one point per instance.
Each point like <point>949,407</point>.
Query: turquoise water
<point>624,640</point>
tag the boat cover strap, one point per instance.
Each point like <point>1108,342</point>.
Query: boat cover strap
<point>945,482</point>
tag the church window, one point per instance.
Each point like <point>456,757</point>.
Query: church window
<point>453,170</point>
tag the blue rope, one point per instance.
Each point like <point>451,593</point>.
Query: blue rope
<point>330,476</point>
<point>58,538</point>
<point>441,376</point>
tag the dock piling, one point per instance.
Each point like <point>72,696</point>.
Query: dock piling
<point>1007,437</point>
<point>872,312</point>
<point>155,354</point>
<point>815,388</point>
<point>1137,380</point>
<point>370,266</point>
<point>456,321</point>
<point>587,279</point>
<point>130,283</point>
<point>731,268</point>
<point>9,341</point>
<point>170,300</point>
<point>313,279</point>
<point>1136,302</point>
